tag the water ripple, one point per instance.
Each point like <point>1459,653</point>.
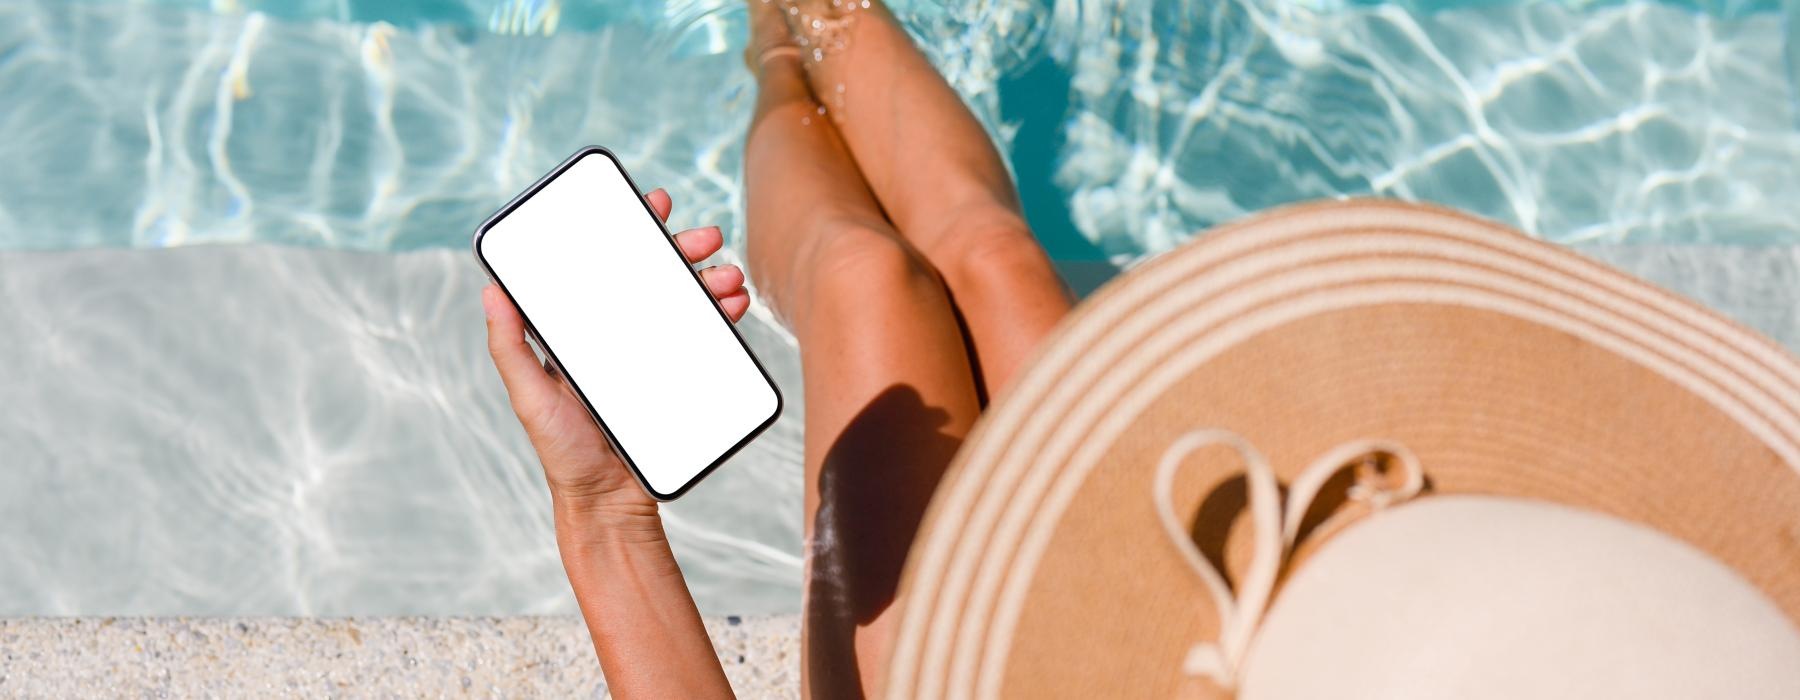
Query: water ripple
<point>251,429</point>
<point>328,438</point>
<point>1637,120</point>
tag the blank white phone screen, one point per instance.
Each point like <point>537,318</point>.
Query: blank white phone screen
<point>617,306</point>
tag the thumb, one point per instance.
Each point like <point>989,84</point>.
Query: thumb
<point>530,387</point>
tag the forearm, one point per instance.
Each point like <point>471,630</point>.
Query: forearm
<point>645,626</point>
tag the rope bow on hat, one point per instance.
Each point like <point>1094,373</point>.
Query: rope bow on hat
<point>1275,526</point>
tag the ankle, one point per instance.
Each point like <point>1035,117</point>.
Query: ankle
<point>769,32</point>
<point>776,57</point>
<point>781,76</point>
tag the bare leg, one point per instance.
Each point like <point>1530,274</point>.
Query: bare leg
<point>936,174</point>
<point>889,390</point>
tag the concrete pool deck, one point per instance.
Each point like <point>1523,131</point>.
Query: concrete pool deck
<point>314,657</point>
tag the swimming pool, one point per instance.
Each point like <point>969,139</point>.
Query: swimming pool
<point>247,375</point>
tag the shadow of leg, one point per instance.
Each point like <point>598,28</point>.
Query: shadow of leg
<point>874,485</point>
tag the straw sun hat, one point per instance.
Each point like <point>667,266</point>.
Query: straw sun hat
<point>1378,450</point>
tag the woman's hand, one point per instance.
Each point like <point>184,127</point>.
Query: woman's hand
<point>584,474</point>
<point>645,628</point>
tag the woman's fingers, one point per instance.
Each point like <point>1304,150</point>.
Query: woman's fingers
<point>722,280</point>
<point>700,243</point>
<point>526,382</point>
<point>697,244</point>
<point>660,202</point>
<point>736,303</point>
<point>726,283</point>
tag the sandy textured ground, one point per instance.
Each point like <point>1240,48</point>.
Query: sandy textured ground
<point>385,657</point>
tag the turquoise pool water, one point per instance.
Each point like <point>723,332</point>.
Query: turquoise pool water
<point>246,371</point>
<point>1132,125</point>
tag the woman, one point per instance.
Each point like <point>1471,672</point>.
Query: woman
<point>885,231</point>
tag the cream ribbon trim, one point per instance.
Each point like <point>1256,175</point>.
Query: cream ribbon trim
<point>1274,527</point>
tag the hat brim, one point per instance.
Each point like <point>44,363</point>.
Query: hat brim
<point>1509,366</point>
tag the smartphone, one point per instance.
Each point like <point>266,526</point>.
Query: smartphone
<point>615,307</point>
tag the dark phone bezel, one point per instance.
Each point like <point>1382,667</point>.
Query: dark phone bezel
<point>567,163</point>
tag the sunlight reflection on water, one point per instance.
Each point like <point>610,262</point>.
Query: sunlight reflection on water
<point>260,429</point>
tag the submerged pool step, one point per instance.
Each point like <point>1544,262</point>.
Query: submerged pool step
<point>261,430</point>
<point>264,430</point>
<point>1758,286</point>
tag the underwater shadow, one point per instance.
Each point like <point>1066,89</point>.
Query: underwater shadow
<point>1037,99</point>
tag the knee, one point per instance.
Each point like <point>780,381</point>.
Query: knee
<point>986,244</point>
<point>856,268</point>
<point>860,257</point>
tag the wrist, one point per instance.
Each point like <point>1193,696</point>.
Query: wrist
<point>588,519</point>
